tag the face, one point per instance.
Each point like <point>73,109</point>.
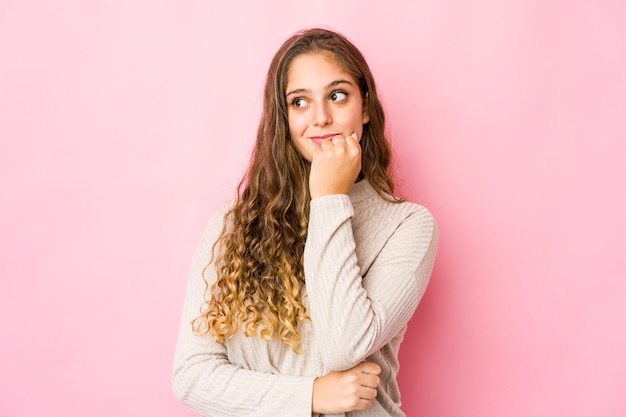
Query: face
<point>323,100</point>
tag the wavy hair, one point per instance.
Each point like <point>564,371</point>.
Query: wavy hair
<point>258,257</point>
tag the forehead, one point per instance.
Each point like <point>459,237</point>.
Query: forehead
<point>315,69</point>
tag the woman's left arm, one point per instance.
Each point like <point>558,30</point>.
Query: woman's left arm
<point>356,315</point>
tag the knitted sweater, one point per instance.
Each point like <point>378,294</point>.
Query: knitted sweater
<point>366,262</point>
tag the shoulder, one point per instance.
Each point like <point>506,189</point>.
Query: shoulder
<point>381,218</point>
<point>393,232</point>
<point>419,214</point>
<point>377,208</point>
<point>377,212</point>
<point>413,224</point>
<point>220,214</point>
<point>368,203</point>
<point>217,219</point>
<point>422,222</point>
<point>214,226</point>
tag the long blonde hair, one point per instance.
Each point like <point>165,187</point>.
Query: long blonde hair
<point>259,255</point>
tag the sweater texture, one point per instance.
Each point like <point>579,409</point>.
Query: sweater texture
<point>367,263</point>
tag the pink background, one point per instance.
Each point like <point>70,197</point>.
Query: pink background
<point>124,124</point>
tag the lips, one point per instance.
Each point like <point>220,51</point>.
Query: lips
<point>319,139</point>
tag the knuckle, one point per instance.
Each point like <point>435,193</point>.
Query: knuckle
<point>352,377</point>
<point>353,402</point>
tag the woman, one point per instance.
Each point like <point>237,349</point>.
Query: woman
<point>300,291</point>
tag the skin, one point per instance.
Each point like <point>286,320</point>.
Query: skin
<point>343,391</point>
<point>326,117</point>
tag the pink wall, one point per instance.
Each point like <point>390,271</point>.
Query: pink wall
<point>123,124</point>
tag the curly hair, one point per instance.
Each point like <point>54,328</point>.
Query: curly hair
<point>258,257</point>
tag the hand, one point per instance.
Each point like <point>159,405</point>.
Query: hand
<point>335,166</point>
<point>343,391</point>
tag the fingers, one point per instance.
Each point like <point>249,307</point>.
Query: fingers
<point>351,141</point>
<point>344,391</point>
<point>368,379</point>
<point>367,391</point>
<point>342,145</point>
<point>368,367</point>
<point>327,144</point>
<point>361,398</point>
<point>335,166</point>
<point>366,396</point>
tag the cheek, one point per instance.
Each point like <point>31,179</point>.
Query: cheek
<point>356,115</point>
<point>296,124</point>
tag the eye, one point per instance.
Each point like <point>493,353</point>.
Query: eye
<point>338,96</point>
<point>298,102</point>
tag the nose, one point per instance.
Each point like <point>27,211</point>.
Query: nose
<point>321,115</point>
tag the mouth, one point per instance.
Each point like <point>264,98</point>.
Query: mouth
<point>319,139</point>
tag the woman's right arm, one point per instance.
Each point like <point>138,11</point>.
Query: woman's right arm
<point>203,377</point>
<point>206,381</point>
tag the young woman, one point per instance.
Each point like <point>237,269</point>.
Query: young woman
<point>300,290</point>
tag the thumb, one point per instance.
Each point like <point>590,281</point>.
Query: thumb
<point>353,141</point>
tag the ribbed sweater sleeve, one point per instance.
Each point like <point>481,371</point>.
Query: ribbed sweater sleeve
<point>205,380</point>
<point>356,315</point>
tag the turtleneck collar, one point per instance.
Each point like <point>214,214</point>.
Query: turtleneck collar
<point>361,191</point>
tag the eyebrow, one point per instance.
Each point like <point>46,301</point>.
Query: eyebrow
<point>330,85</point>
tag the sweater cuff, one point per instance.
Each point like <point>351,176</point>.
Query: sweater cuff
<point>307,394</point>
<point>331,207</point>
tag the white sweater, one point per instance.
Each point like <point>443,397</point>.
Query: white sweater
<point>367,263</point>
